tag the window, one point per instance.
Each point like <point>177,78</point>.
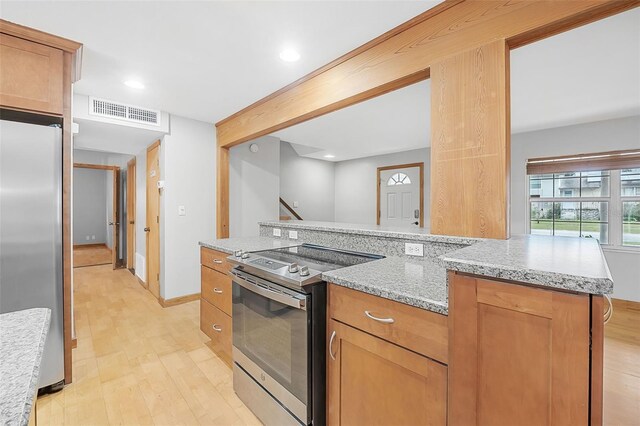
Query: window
<point>602,204</point>
<point>399,179</point>
<point>574,204</point>
<point>630,194</point>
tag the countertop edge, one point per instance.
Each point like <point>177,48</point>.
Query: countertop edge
<point>33,385</point>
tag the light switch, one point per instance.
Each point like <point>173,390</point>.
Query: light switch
<point>182,211</point>
<point>296,204</point>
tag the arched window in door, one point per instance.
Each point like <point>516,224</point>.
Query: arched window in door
<point>398,179</point>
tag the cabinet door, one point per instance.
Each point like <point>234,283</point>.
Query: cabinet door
<point>517,355</point>
<point>30,75</point>
<point>374,382</point>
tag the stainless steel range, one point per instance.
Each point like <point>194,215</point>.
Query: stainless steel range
<point>279,319</point>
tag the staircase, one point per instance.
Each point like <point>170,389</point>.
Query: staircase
<point>287,209</point>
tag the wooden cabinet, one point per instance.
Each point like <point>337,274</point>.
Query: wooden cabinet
<point>32,75</point>
<point>215,301</point>
<point>373,378</point>
<point>517,354</point>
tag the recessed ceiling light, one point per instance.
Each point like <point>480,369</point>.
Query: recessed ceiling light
<point>329,156</point>
<point>134,84</point>
<point>289,55</point>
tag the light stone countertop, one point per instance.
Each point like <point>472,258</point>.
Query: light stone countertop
<point>419,234</point>
<point>417,282</point>
<point>567,263</point>
<point>22,337</point>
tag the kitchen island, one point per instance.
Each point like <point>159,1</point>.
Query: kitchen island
<point>22,338</point>
<point>474,331</point>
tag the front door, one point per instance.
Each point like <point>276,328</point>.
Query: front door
<point>400,195</point>
<point>153,219</point>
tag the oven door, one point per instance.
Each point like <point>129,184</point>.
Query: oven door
<point>271,329</point>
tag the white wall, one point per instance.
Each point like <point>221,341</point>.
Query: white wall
<point>308,181</point>
<point>89,200</point>
<point>254,186</point>
<point>188,166</point>
<point>355,185</point>
<point>600,136</point>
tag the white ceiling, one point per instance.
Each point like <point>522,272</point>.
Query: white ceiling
<point>208,59</point>
<point>589,74</point>
<point>97,136</point>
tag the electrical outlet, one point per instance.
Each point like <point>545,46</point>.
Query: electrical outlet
<point>93,237</point>
<point>413,249</point>
<point>293,235</point>
<point>182,211</point>
<point>87,238</point>
<point>277,232</point>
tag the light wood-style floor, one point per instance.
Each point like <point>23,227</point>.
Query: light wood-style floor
<point>622,366</point>
<point>91,256</point>
<point>138,363</point>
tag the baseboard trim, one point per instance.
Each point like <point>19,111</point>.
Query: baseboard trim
<point>626,304</point>
<point>142,283</point>
<point>74,343</point>
<point>75,246</point>
<point>166,303</point>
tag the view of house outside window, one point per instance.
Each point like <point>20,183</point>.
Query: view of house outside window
<point>580,204</point>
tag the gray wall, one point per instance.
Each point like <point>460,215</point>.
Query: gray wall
<point>599,136</point>
<point>188,167</point>
<point>308,181</point>
<point>355,185</point>
<point>254,182</point>
<point>89,201</point>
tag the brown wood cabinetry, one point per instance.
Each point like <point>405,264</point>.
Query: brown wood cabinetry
<point>31,77</point>
<point>517,354</point>
<point>215,301</point>
<point>373,378</point>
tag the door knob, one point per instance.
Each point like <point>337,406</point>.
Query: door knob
<point>416,223</point>
<point>131,222</point>
<point>147,229</point>
<point>110,223</point>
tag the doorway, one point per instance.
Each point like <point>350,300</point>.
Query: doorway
<point>400,195</point>
<point>96,215</point>
<point>153,218</point>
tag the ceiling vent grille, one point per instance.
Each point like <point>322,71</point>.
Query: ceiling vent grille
<point>125,112</point>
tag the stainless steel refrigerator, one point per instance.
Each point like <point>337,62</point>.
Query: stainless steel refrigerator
<point>31,270</point>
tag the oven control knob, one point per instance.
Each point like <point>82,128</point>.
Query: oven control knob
<point>293,268</point>
<point>245,255</point>
<point>238,253</point>
<point>304,271</point>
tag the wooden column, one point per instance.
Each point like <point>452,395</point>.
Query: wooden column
<point>222,188</point>
<point>470,143</point>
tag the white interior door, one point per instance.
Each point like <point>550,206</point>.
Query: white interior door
<point>400,197</point>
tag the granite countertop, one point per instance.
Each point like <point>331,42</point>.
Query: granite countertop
<point>229,245</point>
<point>567,263</point>
<point>22,338</point>
<point>419,282</point>
<point>419,234</point>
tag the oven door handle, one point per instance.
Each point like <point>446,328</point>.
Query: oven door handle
<point>270,294</point>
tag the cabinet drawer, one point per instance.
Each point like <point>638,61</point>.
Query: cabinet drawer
<point>217,325</point>
<point>216,289</point>
<point>214,259</point>
<point>413,328</point>
<point>31,76</point>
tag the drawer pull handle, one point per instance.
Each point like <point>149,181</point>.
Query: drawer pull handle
<point>218,261</point>
<point>333,336</point>
<point>217,290</point>
<point>382,320</point>
<point>217,328</point>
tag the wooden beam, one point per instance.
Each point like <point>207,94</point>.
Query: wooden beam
<point>94,166</point>
<point>470,141</point>
<point>401,57</point>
